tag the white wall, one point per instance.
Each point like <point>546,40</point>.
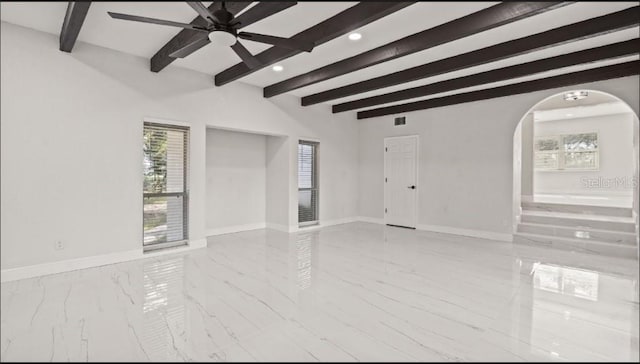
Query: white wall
<point>277,212</point>
<point>236,179</point>
<point>466,152</point>
<point>615,144</point>
<point>71,136</point>
<point>636,172</point>
<point>71,156</point>
<point>338,159</point>
<point>527,155</point>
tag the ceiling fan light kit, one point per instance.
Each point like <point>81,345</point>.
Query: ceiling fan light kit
<point>222,38</point>
<point>222,29</point>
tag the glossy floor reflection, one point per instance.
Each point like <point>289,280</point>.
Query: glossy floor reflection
<point>345,293</point>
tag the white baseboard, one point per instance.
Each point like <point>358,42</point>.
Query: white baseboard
<point>321,224</point>
<point>373,220</point>
<point>345,220</point>
<point>68,265</point>
<point>326,223</point>
<point>236,229</point>
<point>192,245</point>
<point>482,234</point>
<point>279,227</point>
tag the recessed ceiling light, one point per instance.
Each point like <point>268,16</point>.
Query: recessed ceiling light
<point>355,36</point>
<point>575,95</point>
<point>277,68</point>
<point>569,114</point>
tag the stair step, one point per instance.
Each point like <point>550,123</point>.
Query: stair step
<point>608,236</point>
<point>611,223</point>
<point>577,245</point>
<point>578,209</point>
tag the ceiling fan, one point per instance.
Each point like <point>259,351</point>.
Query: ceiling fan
<point>221,28</point>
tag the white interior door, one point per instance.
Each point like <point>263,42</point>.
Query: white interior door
<point>401,184</point>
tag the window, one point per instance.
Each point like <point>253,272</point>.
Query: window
<point>547,152</point>
<point>165,185</point>
<point>307,183</point>
<point>580,151</point>
<point>567,152</point>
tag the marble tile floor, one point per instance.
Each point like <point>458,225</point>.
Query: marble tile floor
<point>352,292</point>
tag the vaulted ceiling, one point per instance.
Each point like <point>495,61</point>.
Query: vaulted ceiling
<point>411,56</point>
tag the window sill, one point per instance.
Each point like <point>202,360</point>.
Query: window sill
<point>566,170</point>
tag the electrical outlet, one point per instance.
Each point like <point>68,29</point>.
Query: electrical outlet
<point>59,245</point>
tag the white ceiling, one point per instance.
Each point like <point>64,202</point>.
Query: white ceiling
<point>145,39</point>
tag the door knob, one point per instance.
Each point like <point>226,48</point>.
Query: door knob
<point>412,187</point>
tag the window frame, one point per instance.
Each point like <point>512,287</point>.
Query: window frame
<point>315,180</point>
<point>186,128</point>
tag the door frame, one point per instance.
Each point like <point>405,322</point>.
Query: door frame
<point>384,162</point>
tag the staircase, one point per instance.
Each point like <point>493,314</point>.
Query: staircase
<point>591,229</point>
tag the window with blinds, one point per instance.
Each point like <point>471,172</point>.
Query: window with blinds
<point>307,183</point>
<point>567,152</point>
<point>165,196</point>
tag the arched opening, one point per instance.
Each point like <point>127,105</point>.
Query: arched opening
<point>575,183</point>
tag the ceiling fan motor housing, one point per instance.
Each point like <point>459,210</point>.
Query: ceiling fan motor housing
<point>223,16</point>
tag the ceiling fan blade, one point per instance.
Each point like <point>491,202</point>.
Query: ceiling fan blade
<point>248,59</point>
<point>203,11</point>
<point>190,48</point>
<point>155,21</point>
<point>260,11</point>
<point>278,41</point>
